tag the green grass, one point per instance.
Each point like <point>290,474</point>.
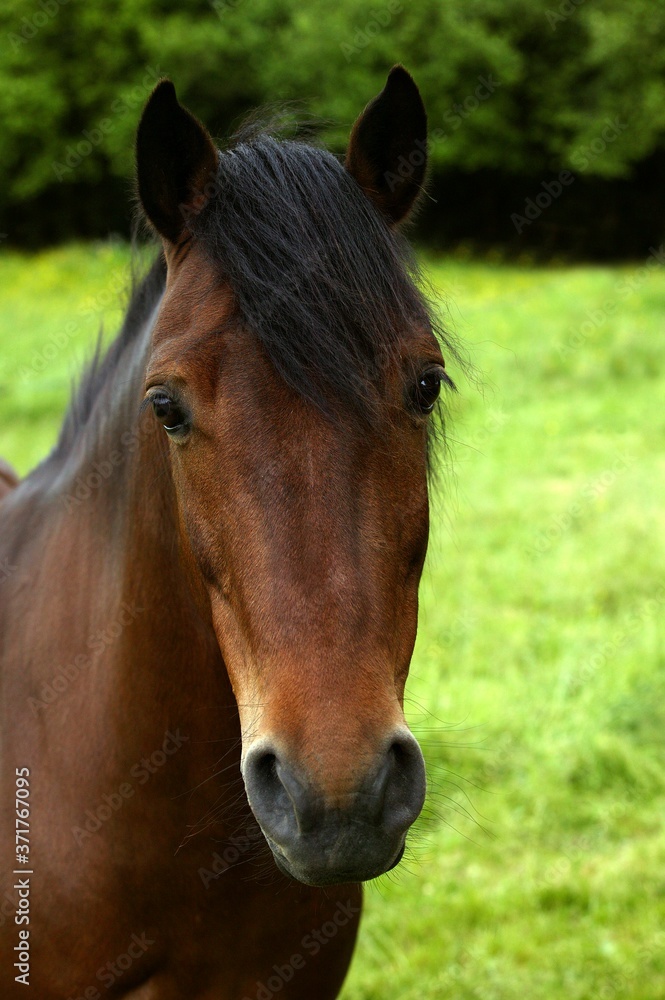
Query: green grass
<point>538,683</point>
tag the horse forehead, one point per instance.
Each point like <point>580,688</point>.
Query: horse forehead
<point>195,300</point>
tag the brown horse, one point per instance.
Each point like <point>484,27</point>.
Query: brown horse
<point>209,600</point>
<point>8,478</point>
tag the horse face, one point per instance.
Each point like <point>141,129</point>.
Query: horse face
<point>309,531</point>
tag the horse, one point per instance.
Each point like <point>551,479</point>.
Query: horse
<point>8,478</point>
<point>210,587</point>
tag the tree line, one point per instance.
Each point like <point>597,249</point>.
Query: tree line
<point>524,97</point>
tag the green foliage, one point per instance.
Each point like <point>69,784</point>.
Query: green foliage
<point>523,86</point>
<point>537,685</point>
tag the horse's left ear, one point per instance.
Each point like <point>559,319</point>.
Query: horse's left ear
<point>176,161</point>
<point>387,151</point>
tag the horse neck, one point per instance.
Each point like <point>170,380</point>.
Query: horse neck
<point>117,487</point>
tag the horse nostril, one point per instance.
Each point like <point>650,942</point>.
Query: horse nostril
<point>266,793</point>
<point>405,752</point>
<point>403,794</point>
<point>265,768</point>
<point>280,802</point>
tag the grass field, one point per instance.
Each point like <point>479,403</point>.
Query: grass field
<point>538,684</point>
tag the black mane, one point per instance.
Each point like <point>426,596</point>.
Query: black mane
<point>103,367</point>
<point>318,275</point>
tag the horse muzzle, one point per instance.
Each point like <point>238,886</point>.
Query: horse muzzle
<point>355,837</point>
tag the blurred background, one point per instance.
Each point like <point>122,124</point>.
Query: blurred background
<point>517,91</point>
<point>538,683</point>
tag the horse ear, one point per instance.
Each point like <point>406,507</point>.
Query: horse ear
<point>175,160</point>
<point>387,151</point>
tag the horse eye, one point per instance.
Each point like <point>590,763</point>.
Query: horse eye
<point>169,413</point>
<point>427,388</point>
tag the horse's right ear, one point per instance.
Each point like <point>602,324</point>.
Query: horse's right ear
<point>175,161</point>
